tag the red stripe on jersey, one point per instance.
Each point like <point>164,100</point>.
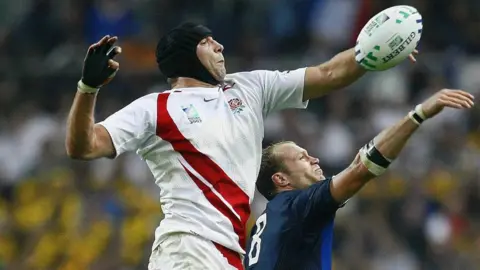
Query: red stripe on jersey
<point>233,257</point>
<point>208,169</point>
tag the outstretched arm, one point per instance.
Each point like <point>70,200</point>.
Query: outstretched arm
<point>340,71</point>
<point>374,158</point>
<point>85,139</point>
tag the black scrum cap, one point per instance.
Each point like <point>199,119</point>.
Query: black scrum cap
<point>177,53</point>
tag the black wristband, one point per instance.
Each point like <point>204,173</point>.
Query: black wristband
<point>417,117</point>
<point>375,156</point>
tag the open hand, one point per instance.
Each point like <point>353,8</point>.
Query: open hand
<point>451,98</point>
<point>99,67</point>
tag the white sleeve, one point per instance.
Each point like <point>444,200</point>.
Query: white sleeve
<point>282,90</point>
<point>131,126</point>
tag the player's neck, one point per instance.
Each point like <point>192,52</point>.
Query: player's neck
<point>184,82</point>
<point>282,189</point>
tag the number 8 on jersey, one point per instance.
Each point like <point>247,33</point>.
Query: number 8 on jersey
<point>256,244</point>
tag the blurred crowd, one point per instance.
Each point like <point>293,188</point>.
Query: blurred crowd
<point>61,214</point>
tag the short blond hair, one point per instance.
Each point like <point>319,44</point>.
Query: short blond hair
<point>270,164</point>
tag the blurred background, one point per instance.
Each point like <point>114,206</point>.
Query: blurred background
<point>61,214</point>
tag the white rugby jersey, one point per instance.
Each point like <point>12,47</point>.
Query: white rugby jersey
<point>204,146</point>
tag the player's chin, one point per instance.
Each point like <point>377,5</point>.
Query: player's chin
<point>219,76</point>
<point>319,176</point>
<point>221,73</point>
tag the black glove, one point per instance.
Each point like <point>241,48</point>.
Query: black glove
<point>96,69</point>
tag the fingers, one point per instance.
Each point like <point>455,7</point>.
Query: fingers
<point>101,42</point>
<point>465,97</point>
<point>456,99</point>
<point>114,51</point>
<point>412,58</point>
<point>462,93</point>
<point>93,48</point>
<point>105,45</point>
<point>461,96</point>
<point>96,45</point>
<point>109,44</point>
<point>113,64</point>
<point>113,68</point>
<point>461,101</point>
<point>450,103</point>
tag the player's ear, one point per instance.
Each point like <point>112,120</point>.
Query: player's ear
<point>280,180</point>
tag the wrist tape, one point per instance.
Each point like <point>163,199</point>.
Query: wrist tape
<point>83,88</point>
<point>375,162</point>
<point>417,115</point>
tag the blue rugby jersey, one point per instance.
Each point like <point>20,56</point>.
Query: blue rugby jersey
<point>295,231</point>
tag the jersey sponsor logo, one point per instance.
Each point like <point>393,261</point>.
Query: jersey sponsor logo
<point>192,114</point>
<point>236,105</point>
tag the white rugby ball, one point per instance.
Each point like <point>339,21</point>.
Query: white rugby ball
<point>388,38</point>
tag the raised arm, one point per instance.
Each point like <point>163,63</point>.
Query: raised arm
<point>339,72</point>
<point>85,139</point>
<point>374,158</point>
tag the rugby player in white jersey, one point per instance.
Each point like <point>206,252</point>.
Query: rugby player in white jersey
<point>202,140</point>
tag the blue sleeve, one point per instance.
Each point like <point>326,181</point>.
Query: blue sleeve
<point>315,203</point>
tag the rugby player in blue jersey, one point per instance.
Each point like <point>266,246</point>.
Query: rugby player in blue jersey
<point>295,232</point>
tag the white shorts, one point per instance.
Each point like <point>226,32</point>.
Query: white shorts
<point>183,251</point>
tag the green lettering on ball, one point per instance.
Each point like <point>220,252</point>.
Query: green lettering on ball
<point>367,64</point>
<point>371,57</point>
